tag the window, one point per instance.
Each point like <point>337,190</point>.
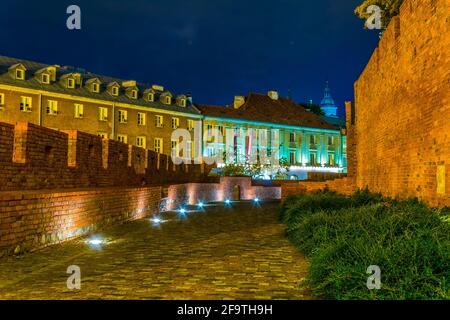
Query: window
<point>115,91</point>
<point>190,149</point>
<point>292,137</point>
<point>190,124</point>
<point>45,78</point>
<point>52,107</point>
<point>312,139</point>
<point>2,99</point>
<point>123,116</point>
<point>174,146</point>
<point>141,141</point>
<point>102,135</point>
<point>103,114</point>
<point>159,121</point>
<point>25,104</point>
<point>175,123</point>
<point>292,159</point>
<point>331,159</point>
<point>220,129</point>
<point>134,94</point>
<point>151,97</point>
<point>313,159</point>
<point>330,141</point>
<point>78,110</point>
<point>70,83</point>
<point>182,102</point>
<point>158,145</point>
<point>95,87</point>
<point>209,128</point>
<point>210,152</point>
<point>122,138</point>
<point>20,74</point>
<point>141,119</point>
<point>167,100</point>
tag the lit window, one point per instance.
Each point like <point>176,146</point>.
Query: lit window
<point>190,149</point>
<point>209,128</point>
<point>2,99</point>
<point>331,159</point>
<point>190,124</point>
<point>103,114</point>
<point>292,137</point>
<point>167,100</point>
<point>174,146</point>
<point>123,116</point>
<point>70,83</point>
<point>95,87</point>
<point>312,139</point>
<point>134,94</point>
<point>141,141</point>
<point>45,79</point>
<point>141,119</point>
<point>20,74</point>
<point>313,159</point>
<point>151,97</point>
<point>210,152</point>
<point>175,123</point>
<point>183,102</point>
<point>115,91</point>
<point>102,135</point>
<point>159,121</point>
<point>158,145</point>
<point>52,107</point>
<point>25,104</point>
<point>292,159</point>
<point>220,129</point>
<point>122,138</point>
<point>78,110</point>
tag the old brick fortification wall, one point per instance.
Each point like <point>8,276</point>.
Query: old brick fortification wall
<point>402,107</point>
<point>35,219</point>
<point>343,186</point>
<point>192,193</point>
<point>55,186</point>
<point>35,158</point>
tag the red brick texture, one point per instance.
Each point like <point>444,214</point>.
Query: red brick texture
<point>402,107</point>
<point>35,158</point>
<point>343,186</point>
<point>35,219</point>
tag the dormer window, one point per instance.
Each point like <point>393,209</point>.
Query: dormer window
<point>95,87</point>
<point>70,83</point>
<point>134,94</point>
<point>45,78</point>
<point>20,74</point>
<point>115,91</point>
<point>151,97</point>
<point>182,102</point>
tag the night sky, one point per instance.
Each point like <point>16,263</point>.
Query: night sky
<point>214,49</point>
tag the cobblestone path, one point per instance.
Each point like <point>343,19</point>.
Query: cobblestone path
<point>236,252</point>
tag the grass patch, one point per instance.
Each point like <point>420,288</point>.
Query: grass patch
<point>342,236</point>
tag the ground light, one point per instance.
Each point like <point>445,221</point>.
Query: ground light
<point>182,211</point>
<point>200,204</point>
<point>256,200</point>
<point>227,201</point>
<point>95,242</point>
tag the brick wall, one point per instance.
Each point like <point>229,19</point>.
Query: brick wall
<point>343,186</point>
<point>35,219</point>
<point>34,157</point>
<point>402,107</point>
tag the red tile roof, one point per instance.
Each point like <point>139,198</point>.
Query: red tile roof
<point>260,107</point>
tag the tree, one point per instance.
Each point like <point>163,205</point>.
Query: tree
<point>390,8</point>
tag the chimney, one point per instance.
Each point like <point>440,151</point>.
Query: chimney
<point>238,101</point>
<point>273,95</point>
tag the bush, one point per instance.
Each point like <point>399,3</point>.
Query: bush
<point>408,241</point>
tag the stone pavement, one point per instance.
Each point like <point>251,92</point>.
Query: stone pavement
<point>221,252</point>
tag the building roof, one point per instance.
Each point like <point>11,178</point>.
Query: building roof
<point>262,108</point>
<point>56,87</point>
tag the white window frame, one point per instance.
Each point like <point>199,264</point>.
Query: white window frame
<point>52,107</point>
<point>123,116</point>
<point>47,81</point>
<point>95,87</point>
<point>141,118</point>
<point>190,124</point>
<point>22,74</point>
<point>175,123</point>
<point>26,104</point>
<point>159,121</point>
<point>102,114</point>
<point>141,141</point>
<point>115,91</point>
<point>2,99</point>
<point>70,83</point>
<point>122,138</point>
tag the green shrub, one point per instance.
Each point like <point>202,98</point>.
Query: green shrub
<point>408,241</point>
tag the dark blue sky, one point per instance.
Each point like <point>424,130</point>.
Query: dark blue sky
<point>213,48</point>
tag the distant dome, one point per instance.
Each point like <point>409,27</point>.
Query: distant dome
<point>328,106</point>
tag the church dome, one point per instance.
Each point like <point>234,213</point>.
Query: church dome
<point>327,104</point>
